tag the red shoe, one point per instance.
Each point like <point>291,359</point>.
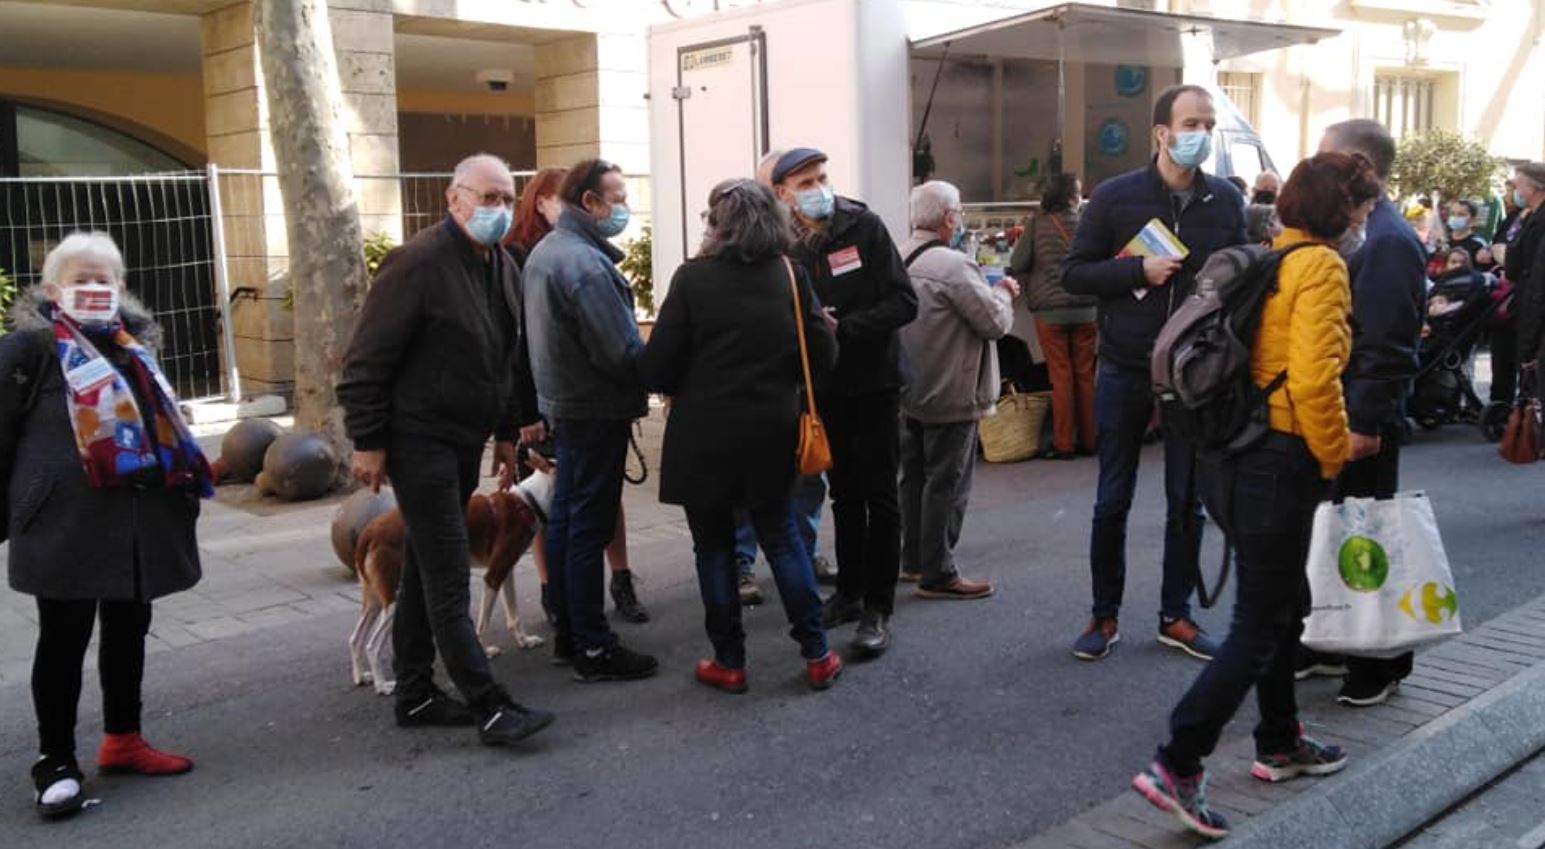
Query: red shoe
<point>721,677</point>
<point>129,753</point>
<point>823,672</point>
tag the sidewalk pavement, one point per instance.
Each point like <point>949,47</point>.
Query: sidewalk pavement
<point>1473,709</point>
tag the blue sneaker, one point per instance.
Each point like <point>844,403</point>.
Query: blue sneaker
<point>1187,636</point>
<point>1310,757</point>
<point>1098,639</point>
<point>1185,798</point>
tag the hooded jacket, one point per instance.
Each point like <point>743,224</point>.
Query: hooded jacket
<point>1119,208</point>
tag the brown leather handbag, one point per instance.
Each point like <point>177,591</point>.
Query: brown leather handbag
<point>813,454</point>
<point>1521,440</point>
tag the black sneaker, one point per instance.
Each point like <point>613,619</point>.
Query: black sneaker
<point>434,710</point>
<point>58,782</point>
<point>626,599</point>
<point>613,664</point>
<point>1310,663</point>
<point>839,611</point>
<point>563,651</point>
<point>512,722</point>
<point>1365,692</point>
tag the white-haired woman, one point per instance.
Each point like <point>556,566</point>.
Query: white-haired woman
<point>726,350</point>
<point>102,480</point>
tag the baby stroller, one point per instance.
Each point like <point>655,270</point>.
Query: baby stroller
<point>1459,309</point>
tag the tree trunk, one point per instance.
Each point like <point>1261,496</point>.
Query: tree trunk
<point>326,244</point>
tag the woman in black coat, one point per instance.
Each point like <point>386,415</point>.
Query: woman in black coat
<point>102,480</point>
<point>725,349</point>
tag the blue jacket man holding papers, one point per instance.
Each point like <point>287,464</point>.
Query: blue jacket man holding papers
<point>1137,294</point>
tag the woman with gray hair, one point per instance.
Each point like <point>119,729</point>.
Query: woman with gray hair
<point>726,349</point>
<point>102,481</point>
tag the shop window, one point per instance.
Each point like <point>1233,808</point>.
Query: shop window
<point>1405,105</point>
<point>44,143</point>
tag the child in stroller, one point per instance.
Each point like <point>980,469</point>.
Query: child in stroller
<point>1459,306</point>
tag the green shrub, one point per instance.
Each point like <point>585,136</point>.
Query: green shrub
<point>1446,164</point>
<point>638,266</point>
<point>7,295</point>
<point>377,245</point>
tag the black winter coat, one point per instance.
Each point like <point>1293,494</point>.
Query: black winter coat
<point>68,539</point>
<point>1119,208</point>
<point>856,270</point>
<point>429,358</point>
<point>1526,271</point>
<point>725,349</point>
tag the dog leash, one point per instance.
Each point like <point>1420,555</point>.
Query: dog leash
<point>638,453</point>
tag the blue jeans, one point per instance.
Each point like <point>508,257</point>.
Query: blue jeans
<point>713,539</point>
<point>809,498</point>
<point>581,521</point>
<point>1123,406</point>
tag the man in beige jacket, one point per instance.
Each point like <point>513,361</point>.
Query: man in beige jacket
<point>951,376</point>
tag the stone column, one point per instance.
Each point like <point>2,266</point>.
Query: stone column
<point>590,101</point>
<point>236,123</point>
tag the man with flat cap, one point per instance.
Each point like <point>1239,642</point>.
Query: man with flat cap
<point>860,278</point>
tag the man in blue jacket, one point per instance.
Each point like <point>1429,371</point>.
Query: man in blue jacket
<point>1137,294</point>
<point>1389,282</point>
<point>584,351</point>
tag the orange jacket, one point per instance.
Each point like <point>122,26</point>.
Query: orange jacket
<point>1305,331</point>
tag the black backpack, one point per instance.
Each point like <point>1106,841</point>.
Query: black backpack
<point>1201,360</point>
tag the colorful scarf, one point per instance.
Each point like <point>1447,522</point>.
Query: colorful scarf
<point>109,425</point>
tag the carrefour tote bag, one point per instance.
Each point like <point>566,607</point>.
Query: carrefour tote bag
<point>1378,577</point>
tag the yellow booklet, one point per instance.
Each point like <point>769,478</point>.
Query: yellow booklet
<point>1154,239</point>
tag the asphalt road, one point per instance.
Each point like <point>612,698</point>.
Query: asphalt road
<point>978,730</point>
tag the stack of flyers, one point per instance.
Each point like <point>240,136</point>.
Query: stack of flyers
<point>1154,239</point>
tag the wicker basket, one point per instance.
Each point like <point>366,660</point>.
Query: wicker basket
<point>1013,433</point>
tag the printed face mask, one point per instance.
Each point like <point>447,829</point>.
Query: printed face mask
<point>817,203</point>
<point>613,224</point>
<point>92,303</point>
<point>1190,149</point>
<point>489,224</point>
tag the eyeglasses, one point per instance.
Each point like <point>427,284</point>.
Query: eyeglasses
<point>490,198</point>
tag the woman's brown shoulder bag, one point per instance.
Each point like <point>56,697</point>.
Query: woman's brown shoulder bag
<point>1521,440</point>
<point>813,454</point>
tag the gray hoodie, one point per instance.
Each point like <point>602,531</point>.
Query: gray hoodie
<point>952,373</point>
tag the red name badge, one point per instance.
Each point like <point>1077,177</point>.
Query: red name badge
<point>845,260</point>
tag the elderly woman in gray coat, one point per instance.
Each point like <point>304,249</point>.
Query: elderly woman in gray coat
<point>102,480</point>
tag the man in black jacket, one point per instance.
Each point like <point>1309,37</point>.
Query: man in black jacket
<point>1525,258</point>
<point>1389,285</point>
<point>1137,295</point>
<point>430,373</point>
<point>859,277</point>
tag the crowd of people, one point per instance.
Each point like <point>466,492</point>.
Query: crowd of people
<point>511,320</point>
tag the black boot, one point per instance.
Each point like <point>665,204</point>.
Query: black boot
<point>626,598</point>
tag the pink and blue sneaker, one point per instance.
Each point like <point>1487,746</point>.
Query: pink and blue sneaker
<point>1185,797</point>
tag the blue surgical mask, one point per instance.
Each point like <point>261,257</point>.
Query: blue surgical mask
<point>488,224</point>
<point>959,235</point>
<point>1458,222</point>
<point>817,203</point>
<point>1352,241</point>
<point>1190,149</point>
<point>1518,198</point>
<point>613,225</point>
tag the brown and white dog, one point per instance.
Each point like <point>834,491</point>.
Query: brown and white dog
<point>500,528</point>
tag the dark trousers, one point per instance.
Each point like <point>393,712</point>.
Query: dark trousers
<point>713,540</point>
<point>581,521</point>
<point>64,631</point>
<point>1504,364</point>
<point>433,481</point>
<point>938,462</point>
<point>1375,477</point>
<point>1123,406</point>
<point>865,434</point>
<point>1275,489</point>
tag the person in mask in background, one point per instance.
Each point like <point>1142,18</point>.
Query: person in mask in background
<point>1389,284</point>
<point>1462,235</point>
<point>858,274</point>
<point>952,384</point>
<point>112,480</point>
<point>430,373</point>
<point>1267,185</point>
<point>585,347</point>
<point>1137,294</point>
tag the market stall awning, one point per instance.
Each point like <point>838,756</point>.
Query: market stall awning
<point>1111,36</point>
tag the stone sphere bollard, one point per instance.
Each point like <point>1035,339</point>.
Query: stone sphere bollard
<point>357,511</point>
<point>243,448</point>
<point>298,467</point>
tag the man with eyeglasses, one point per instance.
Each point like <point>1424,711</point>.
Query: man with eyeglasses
<point>585,345</point>
<point>430,372</point>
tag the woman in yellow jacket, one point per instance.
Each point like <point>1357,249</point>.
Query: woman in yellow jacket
<point>1273,488</point>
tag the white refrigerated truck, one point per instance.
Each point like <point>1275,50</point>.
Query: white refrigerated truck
<point>989,97</point>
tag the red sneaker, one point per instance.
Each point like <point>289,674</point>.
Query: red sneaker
<point>721,677</point>
<point>823,672</point>
<point>129,753</point>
